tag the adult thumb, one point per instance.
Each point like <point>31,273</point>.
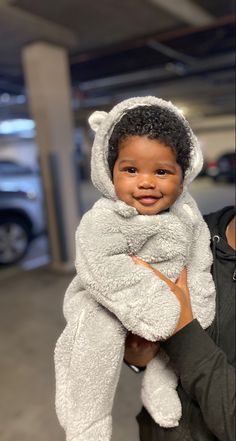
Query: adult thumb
<point>182,281</point>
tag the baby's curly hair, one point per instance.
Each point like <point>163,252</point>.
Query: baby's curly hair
<point>153,122</point>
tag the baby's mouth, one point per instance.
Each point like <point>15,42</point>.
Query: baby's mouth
<point>147,199</point>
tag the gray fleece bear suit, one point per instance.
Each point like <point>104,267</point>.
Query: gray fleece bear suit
<point>111,294</point>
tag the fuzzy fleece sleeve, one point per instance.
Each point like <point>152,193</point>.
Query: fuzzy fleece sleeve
<point>142,302</point>
<point>200,281</point>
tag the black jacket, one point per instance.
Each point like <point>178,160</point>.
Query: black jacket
<point>207,375</point>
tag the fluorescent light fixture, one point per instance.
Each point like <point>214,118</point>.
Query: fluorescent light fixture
<point>16,126</point>
<point>182,109</point>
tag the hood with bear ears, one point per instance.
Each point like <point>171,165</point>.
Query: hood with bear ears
<point>103,124</point>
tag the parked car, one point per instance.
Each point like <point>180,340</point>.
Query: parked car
<point>203,171</point>
<point>224,168</point>
<point>21,210</point>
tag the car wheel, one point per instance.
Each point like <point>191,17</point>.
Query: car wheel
<point>14,239</point>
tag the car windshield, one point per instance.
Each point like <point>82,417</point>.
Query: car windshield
<point>14,168</point>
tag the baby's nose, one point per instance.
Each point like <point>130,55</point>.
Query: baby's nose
<point>146,181</point>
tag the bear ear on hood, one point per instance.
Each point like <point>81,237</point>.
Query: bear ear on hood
<point>96,119</point>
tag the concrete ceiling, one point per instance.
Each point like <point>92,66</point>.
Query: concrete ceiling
<point>182,50</point>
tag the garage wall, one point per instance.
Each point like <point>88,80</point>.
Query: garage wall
<point>216,135</point>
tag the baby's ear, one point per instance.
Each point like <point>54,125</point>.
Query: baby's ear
<point>96,119</point>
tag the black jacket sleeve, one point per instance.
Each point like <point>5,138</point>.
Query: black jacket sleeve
<point>206,376</point>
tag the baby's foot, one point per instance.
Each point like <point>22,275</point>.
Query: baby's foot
<point>163,404</point>
<point>99,431</point>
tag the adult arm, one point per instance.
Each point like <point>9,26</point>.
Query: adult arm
<point>206,376</point>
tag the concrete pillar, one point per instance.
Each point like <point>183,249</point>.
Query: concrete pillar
<point>49,92</point>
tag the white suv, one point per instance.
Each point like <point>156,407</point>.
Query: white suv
<point>22,214</point>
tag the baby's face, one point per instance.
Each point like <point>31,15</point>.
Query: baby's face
<point>146,175</point>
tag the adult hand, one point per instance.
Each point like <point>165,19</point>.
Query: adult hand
<point>139,351</point>
<point>179,289</point>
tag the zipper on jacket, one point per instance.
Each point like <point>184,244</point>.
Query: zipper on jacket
<point>234,275</point>
<point>215,240</point>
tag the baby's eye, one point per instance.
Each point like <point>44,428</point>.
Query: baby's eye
<point>130,170</point>
<point>162,172</point>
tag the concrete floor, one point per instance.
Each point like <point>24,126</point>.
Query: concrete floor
<point>30,322</point>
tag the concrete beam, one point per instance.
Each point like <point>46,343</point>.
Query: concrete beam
<point>33,25</point>
<point>163,72</point>
<point>186,10</point>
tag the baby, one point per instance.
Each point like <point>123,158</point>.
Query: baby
<point>144,156</point>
